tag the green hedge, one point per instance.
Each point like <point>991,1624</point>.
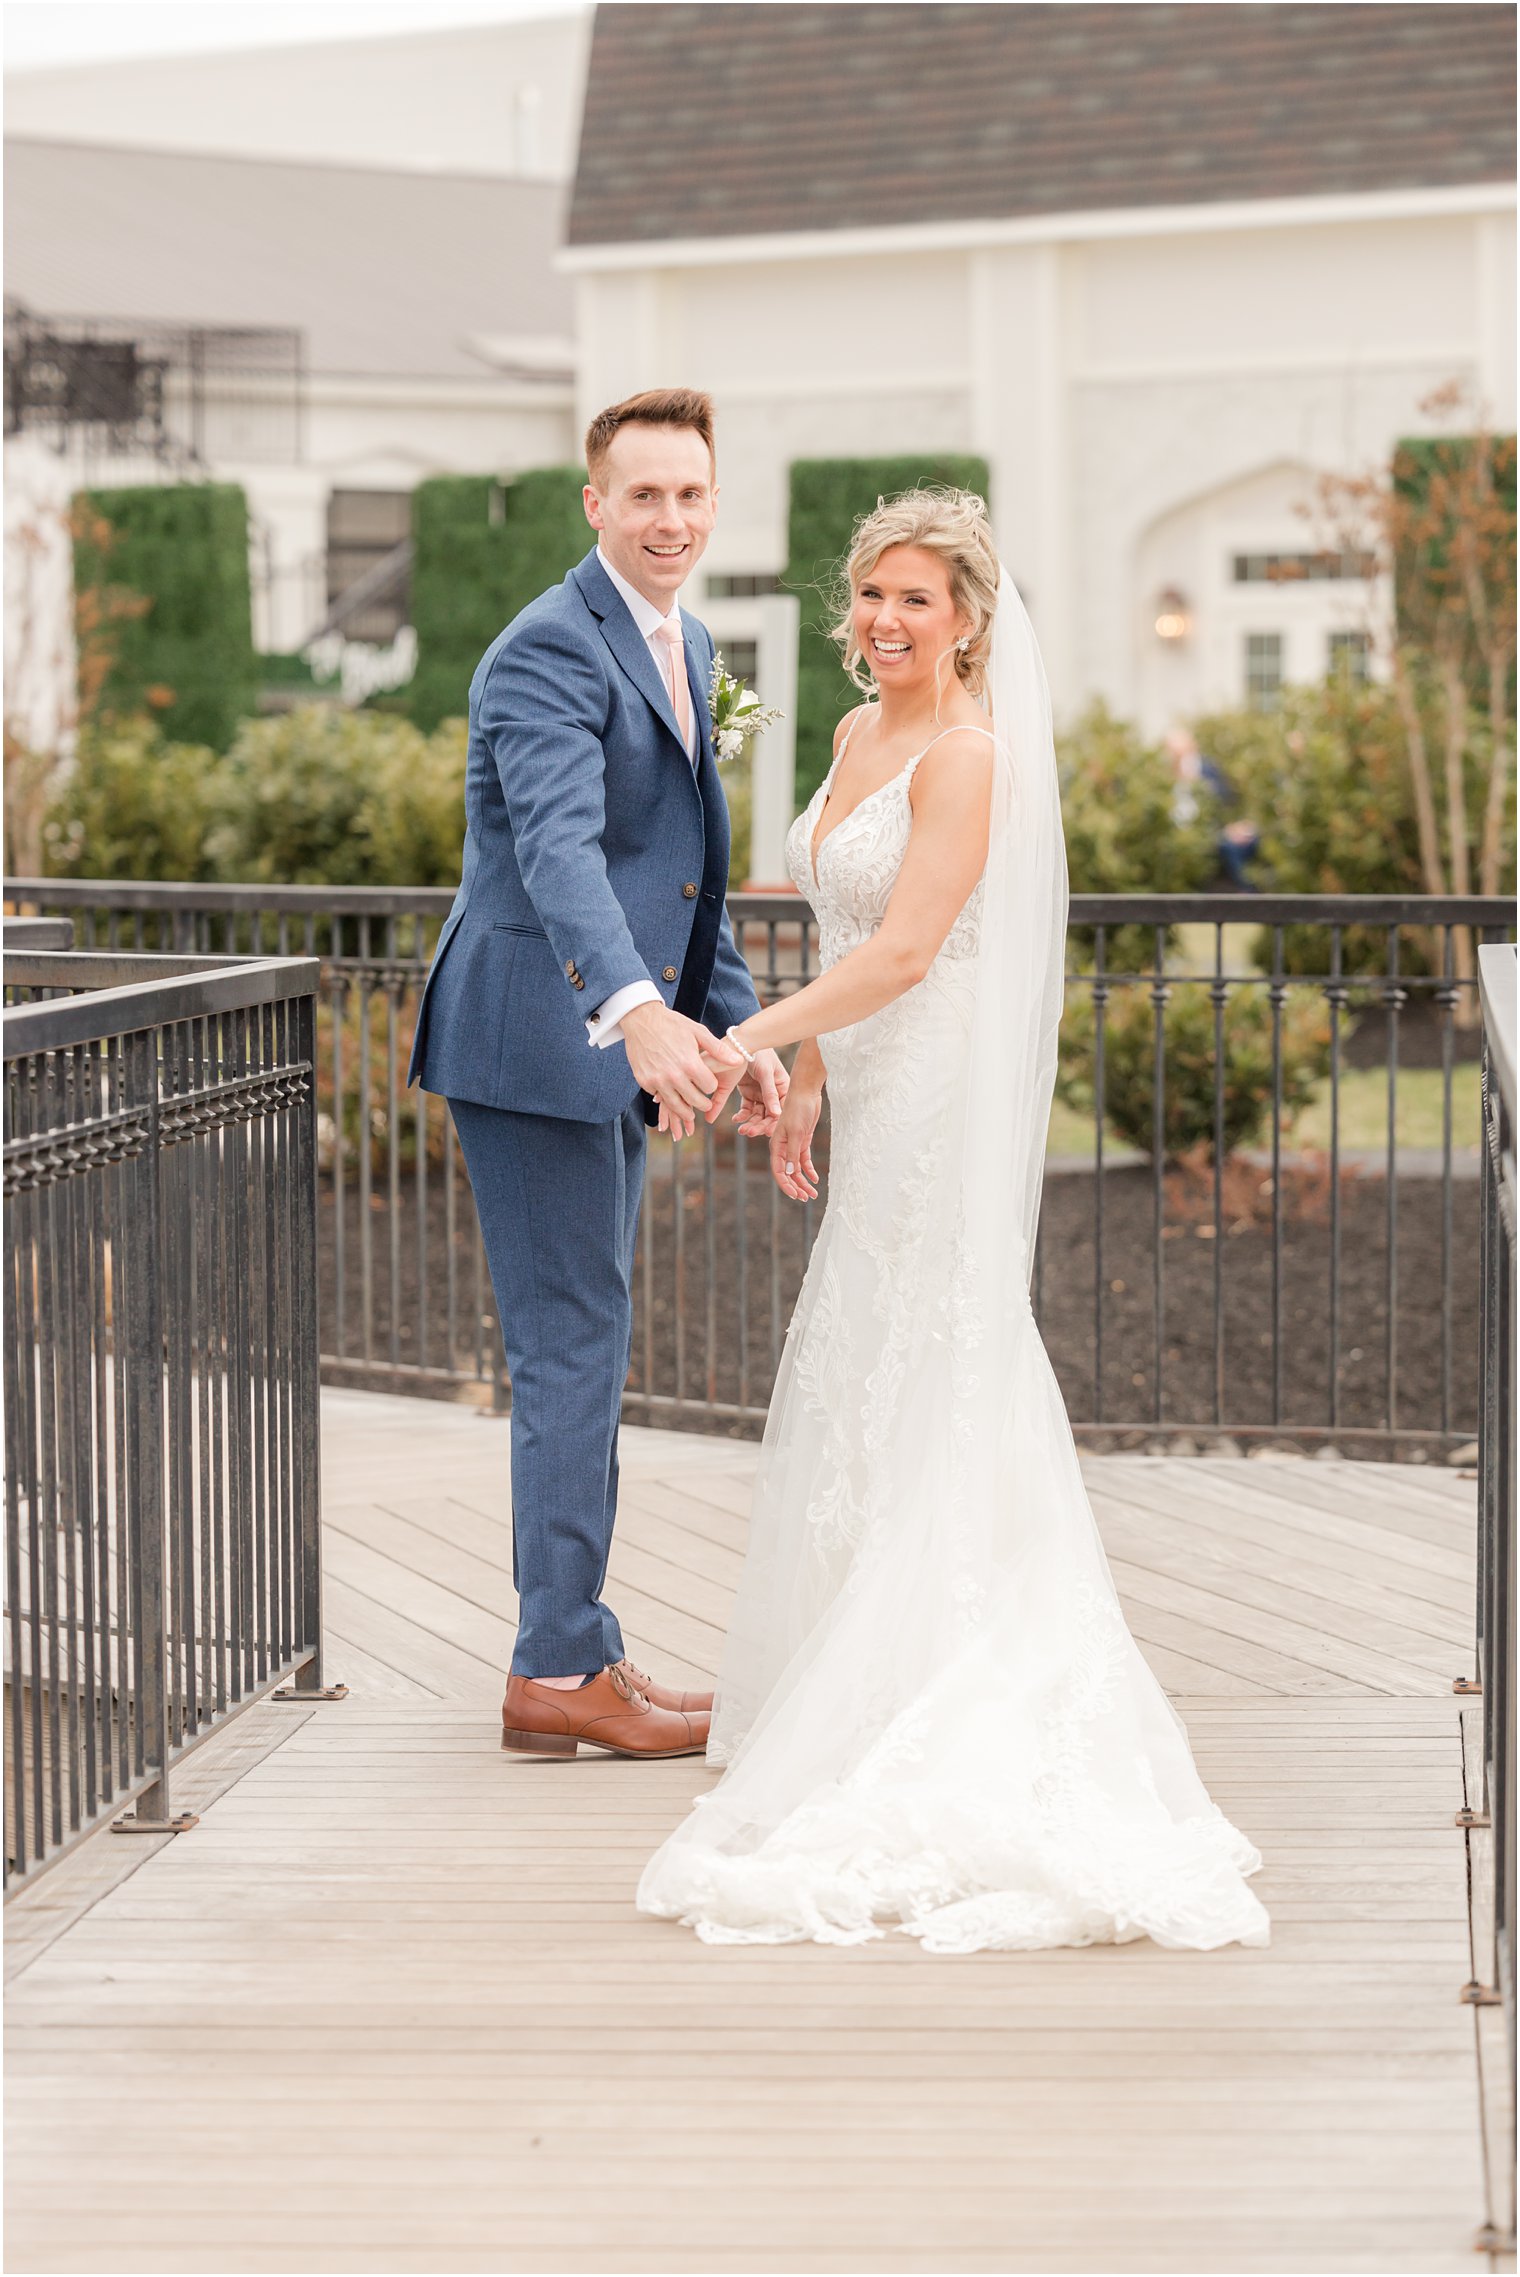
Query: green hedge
<point>188,657</point>
<point>828,496</point>
<point>481,551</point>
<point>318,796</point>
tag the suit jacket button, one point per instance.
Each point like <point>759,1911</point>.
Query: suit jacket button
<point>690,892</point>
<point>570,970</point>
<point>579,983</point>
<point>669,973</point>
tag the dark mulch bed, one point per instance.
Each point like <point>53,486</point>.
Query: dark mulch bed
<point>1421,1032</point>
<point>717,1285</point>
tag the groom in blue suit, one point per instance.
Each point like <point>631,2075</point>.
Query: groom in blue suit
<point>586,967</point>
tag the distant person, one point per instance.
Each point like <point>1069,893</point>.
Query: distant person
<point>1239,839</point>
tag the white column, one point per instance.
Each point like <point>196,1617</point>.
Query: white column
<point>771,621</point>
<point>773,781</point>
<point>1494,252</point>
<point>618,335</point>
<point>1019,402</point>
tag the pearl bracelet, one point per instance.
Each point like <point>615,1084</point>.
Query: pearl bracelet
<point>730,1038</point>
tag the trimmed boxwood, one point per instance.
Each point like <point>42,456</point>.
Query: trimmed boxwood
<point>1187,1098</point>
<point>481,551</point>
<point>188,657</point>
<point>827,498</point>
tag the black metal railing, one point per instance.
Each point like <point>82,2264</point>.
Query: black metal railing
<point>1202,1267</point>
<point>161,1539</point>
<point>1496,1468</point>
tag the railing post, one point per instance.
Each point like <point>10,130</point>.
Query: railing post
<point>1496,1483</point>
<point>305,1392</point>
<point>139,1282</point>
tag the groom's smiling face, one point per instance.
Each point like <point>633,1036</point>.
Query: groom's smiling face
<point>653,506</point>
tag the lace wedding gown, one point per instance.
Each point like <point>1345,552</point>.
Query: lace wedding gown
<point>930,1707</point>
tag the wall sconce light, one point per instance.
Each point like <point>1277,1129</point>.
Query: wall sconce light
<point>1174,619</point>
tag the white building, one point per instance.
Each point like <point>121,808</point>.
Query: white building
<point>1161,265</point>
<point>323,272</point>
<point>476,99</point>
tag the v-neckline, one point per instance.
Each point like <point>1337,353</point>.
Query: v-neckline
<point>817,844</point>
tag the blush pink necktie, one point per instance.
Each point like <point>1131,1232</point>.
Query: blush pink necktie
<point>673,641</point>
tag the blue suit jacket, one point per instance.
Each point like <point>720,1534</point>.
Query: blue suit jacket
<point>595,854</point>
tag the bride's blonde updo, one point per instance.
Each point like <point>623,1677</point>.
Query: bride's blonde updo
<point>952,524</point>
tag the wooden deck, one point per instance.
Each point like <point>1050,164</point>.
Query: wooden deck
<point>389,2007</point>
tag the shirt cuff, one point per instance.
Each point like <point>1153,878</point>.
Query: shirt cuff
<point>604,1025</point>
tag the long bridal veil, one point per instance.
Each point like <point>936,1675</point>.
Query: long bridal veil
<point>931,1708</point>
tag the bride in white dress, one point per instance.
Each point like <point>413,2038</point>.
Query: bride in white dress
<point>931,1711</point>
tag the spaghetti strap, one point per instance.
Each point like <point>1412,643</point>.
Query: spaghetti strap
<point>856,717</point>
<point>969,729</point>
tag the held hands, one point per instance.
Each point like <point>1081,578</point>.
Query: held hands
<point>673,1059</point>
<point>792,1144</point>
<point>692,1072</point>
<point>761,1082</point>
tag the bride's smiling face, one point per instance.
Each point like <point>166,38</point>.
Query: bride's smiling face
<point>906,624</point>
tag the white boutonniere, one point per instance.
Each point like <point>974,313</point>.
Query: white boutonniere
<point>737,712</point>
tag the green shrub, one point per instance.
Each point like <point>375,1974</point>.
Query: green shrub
<point>1121,835</point>
<point>828,496</point>
<point>187,657</point>
<point>320,796</point>
<point>325,796</point>
<point>481,551</point>
<point>134,804</point>
<point>1326,779</point>
<point>1129,1044</point>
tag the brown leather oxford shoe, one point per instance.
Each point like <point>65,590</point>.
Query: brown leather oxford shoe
<point>610,1712</point>
<point>663,1696</point>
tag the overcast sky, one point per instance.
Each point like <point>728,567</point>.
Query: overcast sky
<point>40,34</point>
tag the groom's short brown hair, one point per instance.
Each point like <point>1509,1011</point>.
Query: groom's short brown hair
<point>656,407</point>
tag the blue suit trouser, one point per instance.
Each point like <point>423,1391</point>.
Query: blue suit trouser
<point>558,1204</point>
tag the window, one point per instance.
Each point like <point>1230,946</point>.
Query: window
<point>1349,656</point>
<point>741,659</point>
<point>747,585</point>
<point>1264,670</point>
<point>365,530</point>
<point>1297,568</point>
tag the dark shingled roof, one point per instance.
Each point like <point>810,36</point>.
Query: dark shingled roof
<point>731,119</point>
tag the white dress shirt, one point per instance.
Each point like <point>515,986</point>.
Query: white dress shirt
<point>604,1025</point>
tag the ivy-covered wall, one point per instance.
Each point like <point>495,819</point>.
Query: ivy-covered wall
<point>163,614</point>
<point>827,498</point>
<point>481,551</point>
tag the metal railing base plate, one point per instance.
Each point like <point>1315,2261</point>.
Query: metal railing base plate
<point>132,1823</point>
